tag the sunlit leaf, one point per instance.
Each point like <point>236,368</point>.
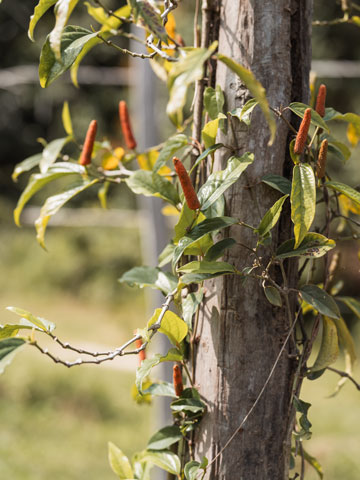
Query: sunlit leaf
<point>244,113</point>
<point>214,101</point>
<point>190,305</point>
<point>349,192</point>
<point>51,152</point>
<point>256,90</point>
<point>320,300</point>
<point>316,120</point>
<point>26,165</point>
<point>146,366</point>
<point>32,320</point>
<point>313,245</point>
<point>209,133</point>
<point>41,8</point>
<point>164,438</point>
<point>171,325</point>
<point>150,277</point>
<point>172,145</point>
<point>66,120</point>
<point>271,217</point>
<point>8,349</point>
<point>119,462</point>
<point>166,460</point>
<point>207,267</point>
<point>152,184</point>
<point>303,200</point>
<point>53,205</point>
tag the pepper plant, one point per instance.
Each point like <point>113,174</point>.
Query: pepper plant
<point>323,209</point>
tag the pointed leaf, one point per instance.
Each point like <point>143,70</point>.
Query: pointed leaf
<point>244,113</point>
<point>152,184</point>
<point>40,323</point>
<point>53,205</point>
<point>191,470</point>
<point>63,9</point>
<point>207,226</point>
<point>217,250</point>
<point>313,245</point>
<point>208,151</point>
<point>26,165</point>
<point>164,438</point>
<point>316,120</point>
<point>278,182</point>
<point>41,8</point>
<point>144,370</point>
<point>171,325</point>
<point>190,305</point>
<point>73,40</point>
<point>273,296</point>
<point>256,90</point>
<point>209,133</point>
<point>166,460</point>
<point>119,462</point>
<point>314,463</point>
<point>66,120</point>
<point>8,349</point>
<point>303,200</point>
<point>329,349</point>
<point>206,267</point>
<point>271,217</point>
<point>151,19</point>
<point>150,277</point>
<point>163,389</point>
<point>172,145</point>
<point>349,192</point>
<point>219,182</point>
<point>51,153</point>
<point>351,303</point>
<point>214,101</point>
<point>320,300</point>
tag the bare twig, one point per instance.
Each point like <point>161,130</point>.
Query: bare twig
<point>345,375</point>
<point>125,50</point>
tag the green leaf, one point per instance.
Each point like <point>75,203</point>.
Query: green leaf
<point>41,8</point>
<point>349,192</point>
<point>40,323</point>
<point>273,296</point>
<point>278,182</point>
<point>313,245</point>
<point>171,325</point>
<point>163,389</point>
<point>316,120</point>
<point>208,151</point>
<point>345,339</point>
<point>38,180</point>
<point>26,165</point>
<point>256,90</point>
<point>191,470</point>
<point>191,405</point>
<point>183,73</point>
<point>144,370</point>
<point>164,438</point>
<point>217,250</point>
<point>166,460</point>
<point>271,217</point>
<point>207,267</point>
<point>207,226</point>
<point>188,219</point>
<point>66,120</point>
<point>220,181</point>
<point>340,150</point>
<point>151,19</point>
<point>62,11</point>
<point>151,184</point>
<point>214,101</point>
<point>303,200</point>
<point>8,349</point>
<point>172,145</point>
<point>51,153</point>
<point>166,255</point>
<point>329,349</point>
<point>320,300</point>
<point>150,277</point>
<point>73,40</point>
<point>190,305</point>
<point>244,113</point>
<point>119,462</point>
<point>53,205</point>
<point>190,278</point>
<point>351,303</point>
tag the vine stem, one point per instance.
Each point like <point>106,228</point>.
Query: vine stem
<point>345,375</point>
<point>245,419</point>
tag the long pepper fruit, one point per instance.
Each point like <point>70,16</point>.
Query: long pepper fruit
<point>321,163</point>
<point>177,379</point>
<point>301,137</point>
<point>142,354</point>
<point>320,100</point>
<point>186,185</point>
<point>85,158</point>
<point>126,126</point>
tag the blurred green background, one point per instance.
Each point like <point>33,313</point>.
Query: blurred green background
<point>55,422</point>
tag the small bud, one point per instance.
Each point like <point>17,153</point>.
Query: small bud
<point>186,185</point>
<point>320,100</point>
<point>321,163</point>
<point>303,132</point>
<point>85,158</point>
<point>177,379</point>
<point>126,125</point>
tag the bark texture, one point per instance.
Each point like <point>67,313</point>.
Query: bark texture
<point>240,332</point>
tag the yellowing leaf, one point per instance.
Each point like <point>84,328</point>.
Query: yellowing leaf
<point>141,399</point>
<point>147,160</point>
<point>171,325</point>
<point>347,205</point>
<point>110,161</point>
<point>303,200</point>
<point>209,132</point>
<point>170,211</point>
<point>352,135</point>
<point>329,349</point>
<point>66,120</point>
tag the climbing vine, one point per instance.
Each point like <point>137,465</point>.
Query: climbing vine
<point>324,211</point>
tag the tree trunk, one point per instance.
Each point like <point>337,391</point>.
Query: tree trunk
<point>240,333</point>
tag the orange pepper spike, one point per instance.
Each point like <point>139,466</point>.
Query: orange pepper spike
<point>177,380</point>
<point>85,158</point>
<point>321,163</point>
<point>126,126</point>
<point>142,354</point>
<point>186,185</point>
<point>303,132</point>
<point>320,100</point>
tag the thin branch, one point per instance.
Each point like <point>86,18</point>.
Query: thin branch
<point>239,428</point>
<point>109,43</point>
<point>345,375</point>
<point>158,51</point>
